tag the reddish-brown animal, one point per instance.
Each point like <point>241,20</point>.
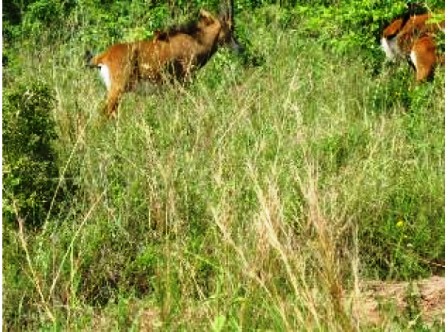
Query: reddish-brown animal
<point>174,53</point>
<point>413,37</point>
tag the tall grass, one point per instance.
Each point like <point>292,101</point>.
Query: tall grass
<point>253,198</point>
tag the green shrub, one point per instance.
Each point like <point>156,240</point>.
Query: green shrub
<point>228,202</point>
<point>29,160</point>
<point>354,27</point>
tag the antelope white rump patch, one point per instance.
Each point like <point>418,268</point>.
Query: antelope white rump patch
<point>413,57</point>
<point>105,75</point>
<point>390,47</point>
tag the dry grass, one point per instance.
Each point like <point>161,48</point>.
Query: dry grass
<point>253,199</point>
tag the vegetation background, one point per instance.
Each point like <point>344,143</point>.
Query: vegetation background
<point>259,197</point>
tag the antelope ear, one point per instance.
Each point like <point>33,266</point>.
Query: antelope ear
<point>206,16</point>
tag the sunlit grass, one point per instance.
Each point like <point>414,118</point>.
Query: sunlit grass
<point>253,198</point>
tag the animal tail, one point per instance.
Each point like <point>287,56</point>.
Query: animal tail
<point>88,56</point>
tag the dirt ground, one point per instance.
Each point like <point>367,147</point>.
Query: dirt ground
<point>376,302</point>
<point>373,304</point>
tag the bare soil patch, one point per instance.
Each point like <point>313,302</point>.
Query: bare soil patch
<point>378,302</point>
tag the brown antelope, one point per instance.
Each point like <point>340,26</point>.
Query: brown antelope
<point>175,53</point>
<point>413,37</point>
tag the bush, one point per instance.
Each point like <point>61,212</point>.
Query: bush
<point>29,160</point>
<point>354,27</point>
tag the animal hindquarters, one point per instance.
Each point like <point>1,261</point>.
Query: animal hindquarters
<point>390,48</point>
<point>113,98</point>
<point>114,91</point>
<point>105,75</point>
<point>116,69</point>
<point>423,56</point>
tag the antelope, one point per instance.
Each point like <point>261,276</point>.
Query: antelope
<point>412,37</point>
<point>175,53</point>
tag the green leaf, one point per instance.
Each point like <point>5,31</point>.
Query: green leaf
<point>218,323</point>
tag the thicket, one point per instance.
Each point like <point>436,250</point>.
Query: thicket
<point>30,170</point>
<point>344,27</point>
